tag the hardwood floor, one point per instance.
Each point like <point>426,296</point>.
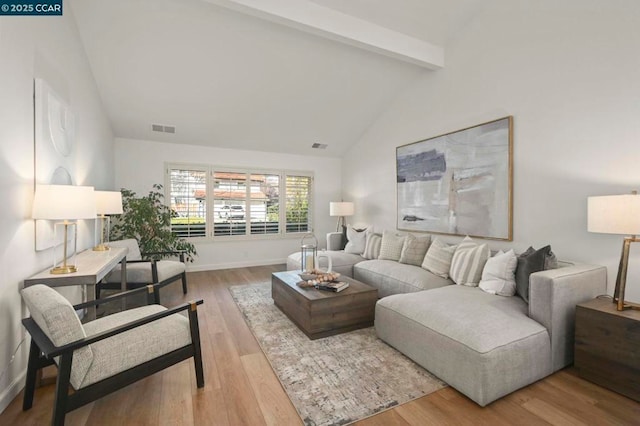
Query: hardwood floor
<point>242,389</point>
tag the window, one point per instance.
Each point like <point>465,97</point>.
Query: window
<point>187,192</point>
<point>241,203</point>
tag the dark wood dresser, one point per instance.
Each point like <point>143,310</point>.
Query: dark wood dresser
<point>607,346</point>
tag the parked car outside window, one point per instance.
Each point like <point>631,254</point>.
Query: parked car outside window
<point>232,212</point>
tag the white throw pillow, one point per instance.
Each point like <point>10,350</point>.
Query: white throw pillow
<point>498,276</point>
<point>438,258</point>
<point>391,246</point>
<point>357,240</point>
<point>414,249</point>
<point>468,262</point>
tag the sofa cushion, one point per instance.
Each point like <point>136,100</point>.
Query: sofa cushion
<point>484,346</point>
<point>356,240</point>
<point>468,262</point>
<point>391,246</point>
<point>438,258</point>
<point>498,275</point>
<point>372,247</point>
<point>391,277</point>
<point>414,249</point>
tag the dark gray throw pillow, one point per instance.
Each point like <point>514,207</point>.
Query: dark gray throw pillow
<point>529,262</point>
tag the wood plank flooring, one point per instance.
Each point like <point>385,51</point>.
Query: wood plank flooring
<point>242,389</point>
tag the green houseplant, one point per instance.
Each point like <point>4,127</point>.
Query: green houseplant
<point>148,220</point>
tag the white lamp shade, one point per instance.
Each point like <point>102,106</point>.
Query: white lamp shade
<point>614,214</point>
<point>341,208</point>
<point>64,202</point>
<point>108,202</point>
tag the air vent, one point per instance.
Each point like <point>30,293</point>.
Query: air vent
<point>319,145</point>
<point>163,129</point>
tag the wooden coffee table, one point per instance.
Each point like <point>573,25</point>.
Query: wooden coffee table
<point>320,313</point>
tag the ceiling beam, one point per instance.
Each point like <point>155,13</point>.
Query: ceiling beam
<point>329,23</point>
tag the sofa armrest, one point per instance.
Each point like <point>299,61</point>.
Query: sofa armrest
<point>334,241</point>
<point>553,296</point>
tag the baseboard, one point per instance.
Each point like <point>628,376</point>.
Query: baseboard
<point>12,391</point>
<point>230,265</point>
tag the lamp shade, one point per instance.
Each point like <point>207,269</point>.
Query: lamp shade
<point>64,202</point>
<point>341,208</point>
<point>108,202</point>
<point>614,214</point>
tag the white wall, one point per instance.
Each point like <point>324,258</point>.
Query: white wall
<point>48,48</point>
<point>140,164</point>
<point>568,73</point>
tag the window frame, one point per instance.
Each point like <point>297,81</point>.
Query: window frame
<point>210,199</point>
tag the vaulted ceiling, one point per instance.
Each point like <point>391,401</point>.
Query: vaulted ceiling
<point>236,74</point>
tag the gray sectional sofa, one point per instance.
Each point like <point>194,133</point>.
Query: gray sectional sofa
<point>485,346</point>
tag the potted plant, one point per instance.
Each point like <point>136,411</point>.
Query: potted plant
<point>148,220</point>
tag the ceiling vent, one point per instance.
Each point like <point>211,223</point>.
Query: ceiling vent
<point>319,145</point>
<point>163,129</point>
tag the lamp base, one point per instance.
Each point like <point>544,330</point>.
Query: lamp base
<point>64,269</point>
<point>101,247</point>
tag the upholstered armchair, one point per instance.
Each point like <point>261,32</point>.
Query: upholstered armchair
<point>143,269</point>
<point>101,356</point>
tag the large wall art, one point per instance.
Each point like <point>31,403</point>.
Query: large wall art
<point>55,131</point>
<point>460,183</point>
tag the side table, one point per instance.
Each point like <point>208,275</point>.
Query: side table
<point>93,266</point>
<point>607,346</point>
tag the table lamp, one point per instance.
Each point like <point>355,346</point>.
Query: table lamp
<point>107,203</point>
<point>617,214</point>
<point>65,204</point>
<point>341,209</point>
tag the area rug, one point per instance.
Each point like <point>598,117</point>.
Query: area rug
<point>336,380</point>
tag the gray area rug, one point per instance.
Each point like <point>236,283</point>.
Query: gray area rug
<point>335,380</point>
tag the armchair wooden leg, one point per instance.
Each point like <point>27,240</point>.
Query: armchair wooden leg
<point>195,341</point>
<point>32,370</point>
<point>62,389</point>
<point>184,283</point>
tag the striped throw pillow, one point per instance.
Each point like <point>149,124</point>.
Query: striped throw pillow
<point>468,262</point>
<point>372,248</point>
<point>391,246</point>
<point>438,258</point>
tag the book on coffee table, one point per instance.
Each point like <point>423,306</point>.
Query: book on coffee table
<point>332,286</point>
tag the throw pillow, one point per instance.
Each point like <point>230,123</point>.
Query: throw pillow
<point>550,261</point>
<point>468,262</point>
<point>529,262</point>
<point>356,240</point>
<point>438,258</point>
<point>498,275</point>
<point>414,249</point>
<point>391,246</point>
<point>372,247</point>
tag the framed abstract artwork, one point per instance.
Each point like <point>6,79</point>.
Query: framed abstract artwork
<point>54,148</point>
<point>459,183</point>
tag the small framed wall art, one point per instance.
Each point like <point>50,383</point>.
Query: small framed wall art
<point>459,183</point>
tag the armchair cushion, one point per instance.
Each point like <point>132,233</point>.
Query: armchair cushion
<point>134,347</point>
<point>140,272</point>
<point>59,321</point>
<point>131,244</point>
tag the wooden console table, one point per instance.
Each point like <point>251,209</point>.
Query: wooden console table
<point>93,266</point>
<point>607,348</point>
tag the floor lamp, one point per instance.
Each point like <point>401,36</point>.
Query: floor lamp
<point>107,203</point>
<point>617,214</point>
<point>64,204</point>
